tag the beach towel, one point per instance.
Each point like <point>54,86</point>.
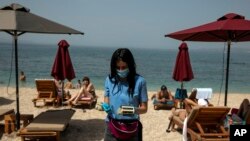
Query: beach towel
<point>204,93</point>
<point>203,102</point>
<point>184,131</point>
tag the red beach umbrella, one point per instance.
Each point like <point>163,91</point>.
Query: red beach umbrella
<point>228,28</point>
<point>183,69</point>
<point>62,68</point>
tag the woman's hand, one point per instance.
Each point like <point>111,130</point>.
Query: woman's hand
<point>142,109</point>
<point>106,107</point>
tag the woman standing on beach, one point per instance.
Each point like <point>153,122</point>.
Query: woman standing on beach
<point>125,98</point>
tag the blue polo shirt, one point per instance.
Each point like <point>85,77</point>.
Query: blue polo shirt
<point>118,96</point>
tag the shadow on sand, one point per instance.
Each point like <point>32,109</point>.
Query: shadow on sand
<point>1,130</point>
<point>77,130</point>
<point>5,101</point>
<point>87,130</point>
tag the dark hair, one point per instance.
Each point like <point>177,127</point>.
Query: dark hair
<point>126,56</point>
<point>85,78</point>
<point>163,87</point>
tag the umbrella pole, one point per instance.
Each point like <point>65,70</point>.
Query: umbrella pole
<point>181,85</point>
<point>17,86</point>
<point>62,91</point>
<point>181,102</point>
<point>227,71</point>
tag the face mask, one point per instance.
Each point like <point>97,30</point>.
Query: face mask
<point>123,73</point>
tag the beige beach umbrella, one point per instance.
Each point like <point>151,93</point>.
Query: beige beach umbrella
<point>16,20</point>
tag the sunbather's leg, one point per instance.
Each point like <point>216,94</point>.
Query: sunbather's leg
<point>176,112</point>
<point>78,96</point>
<point>170,124</point>
<point>75,96</point>
<point>243,108</point>
<point>72,98</point>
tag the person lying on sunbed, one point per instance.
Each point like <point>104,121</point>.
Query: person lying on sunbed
<point>183,113</point>
<point>193,97</point>
<point>86,91</point>
<point>243,111</point>
<point>163,98</point>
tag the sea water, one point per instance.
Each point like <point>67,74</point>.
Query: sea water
<point>155,65</point>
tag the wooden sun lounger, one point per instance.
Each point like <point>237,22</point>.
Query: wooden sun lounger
<point>47,91</point>
<point>4,112</point>
<point>90,102</point>
<point>47,124</point>
<point>206,123</point>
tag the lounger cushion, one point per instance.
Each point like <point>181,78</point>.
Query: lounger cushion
<point>52,120</point>
<point>85,98</point>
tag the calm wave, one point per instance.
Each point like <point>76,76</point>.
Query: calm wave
<point>155,65</point>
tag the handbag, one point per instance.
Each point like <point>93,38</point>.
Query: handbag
<point>122,129</point>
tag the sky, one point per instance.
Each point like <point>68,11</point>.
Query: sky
<point>125,23</point>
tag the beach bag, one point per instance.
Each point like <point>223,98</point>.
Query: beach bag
<point>123,130</point>
<point>180,93</point>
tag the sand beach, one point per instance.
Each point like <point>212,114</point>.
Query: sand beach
<point>88,124</point>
